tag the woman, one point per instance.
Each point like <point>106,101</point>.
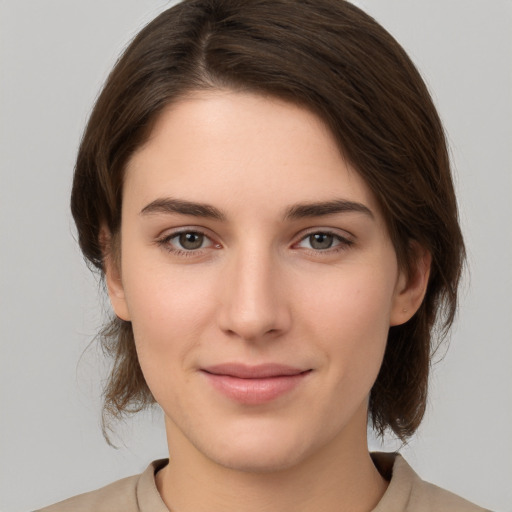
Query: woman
<point>266,188</point>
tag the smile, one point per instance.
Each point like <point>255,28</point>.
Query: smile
<point>253,385</point>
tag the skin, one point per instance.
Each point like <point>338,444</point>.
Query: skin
<point>258,289</point>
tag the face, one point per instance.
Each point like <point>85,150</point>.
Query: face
<point>259,278</point>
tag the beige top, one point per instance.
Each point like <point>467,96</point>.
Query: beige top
<point>406,493</point>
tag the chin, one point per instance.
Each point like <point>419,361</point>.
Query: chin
<point>254,451</point>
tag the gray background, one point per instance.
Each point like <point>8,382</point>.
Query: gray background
<point>54,56</point>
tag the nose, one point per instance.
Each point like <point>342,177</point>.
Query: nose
<point>254,305</point>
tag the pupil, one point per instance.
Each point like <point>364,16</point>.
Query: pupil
<point>321,241</point>
<point>191,241</point>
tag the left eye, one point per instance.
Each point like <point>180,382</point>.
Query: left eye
<point>321,241</point>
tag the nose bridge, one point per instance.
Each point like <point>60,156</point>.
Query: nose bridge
<point>252,307</point>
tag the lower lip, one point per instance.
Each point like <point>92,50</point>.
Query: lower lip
<point>255,391</point>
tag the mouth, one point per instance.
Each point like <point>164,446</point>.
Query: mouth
<point>253,385</point>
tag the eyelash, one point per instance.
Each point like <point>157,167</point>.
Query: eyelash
<point>342,245</point>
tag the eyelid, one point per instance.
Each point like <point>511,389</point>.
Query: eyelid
<point>189,228</point>
<point>337,232</point>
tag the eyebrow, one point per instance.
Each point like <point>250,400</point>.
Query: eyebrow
<point>319,209</point>
<point>182,207</point>
<point>294,212</point>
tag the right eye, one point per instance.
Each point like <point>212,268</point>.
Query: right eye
<point>185,242</point>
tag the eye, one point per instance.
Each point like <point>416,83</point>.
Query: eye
<point>324,241</point>
<point>186,242</point>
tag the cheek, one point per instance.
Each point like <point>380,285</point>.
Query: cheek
<point>358,300</point>
<point>164,298</point>
<point>351,324</point>
<point>169,310</point>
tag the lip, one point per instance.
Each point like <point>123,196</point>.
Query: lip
<point>253,385</point>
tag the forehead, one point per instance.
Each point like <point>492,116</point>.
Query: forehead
<point>241,149</point>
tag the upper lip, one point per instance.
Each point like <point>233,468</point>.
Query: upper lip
<point>260,371</point>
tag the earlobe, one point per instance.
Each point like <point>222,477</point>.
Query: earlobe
<point>112,269</point>
<point>411,286</point>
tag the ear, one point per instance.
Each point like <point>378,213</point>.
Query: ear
<point>411,286</point>
<point>112,267</point>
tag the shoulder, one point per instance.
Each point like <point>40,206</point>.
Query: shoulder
<point>440,500</point>
<point>407,492</point>
<point>125,494</point>
<point>120,495</point>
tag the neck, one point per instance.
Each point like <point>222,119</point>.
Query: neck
<point>339,476</point>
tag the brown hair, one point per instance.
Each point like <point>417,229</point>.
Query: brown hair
<point>334,59</point>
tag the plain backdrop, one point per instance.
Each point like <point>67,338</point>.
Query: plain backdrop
<point>54,56</point>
